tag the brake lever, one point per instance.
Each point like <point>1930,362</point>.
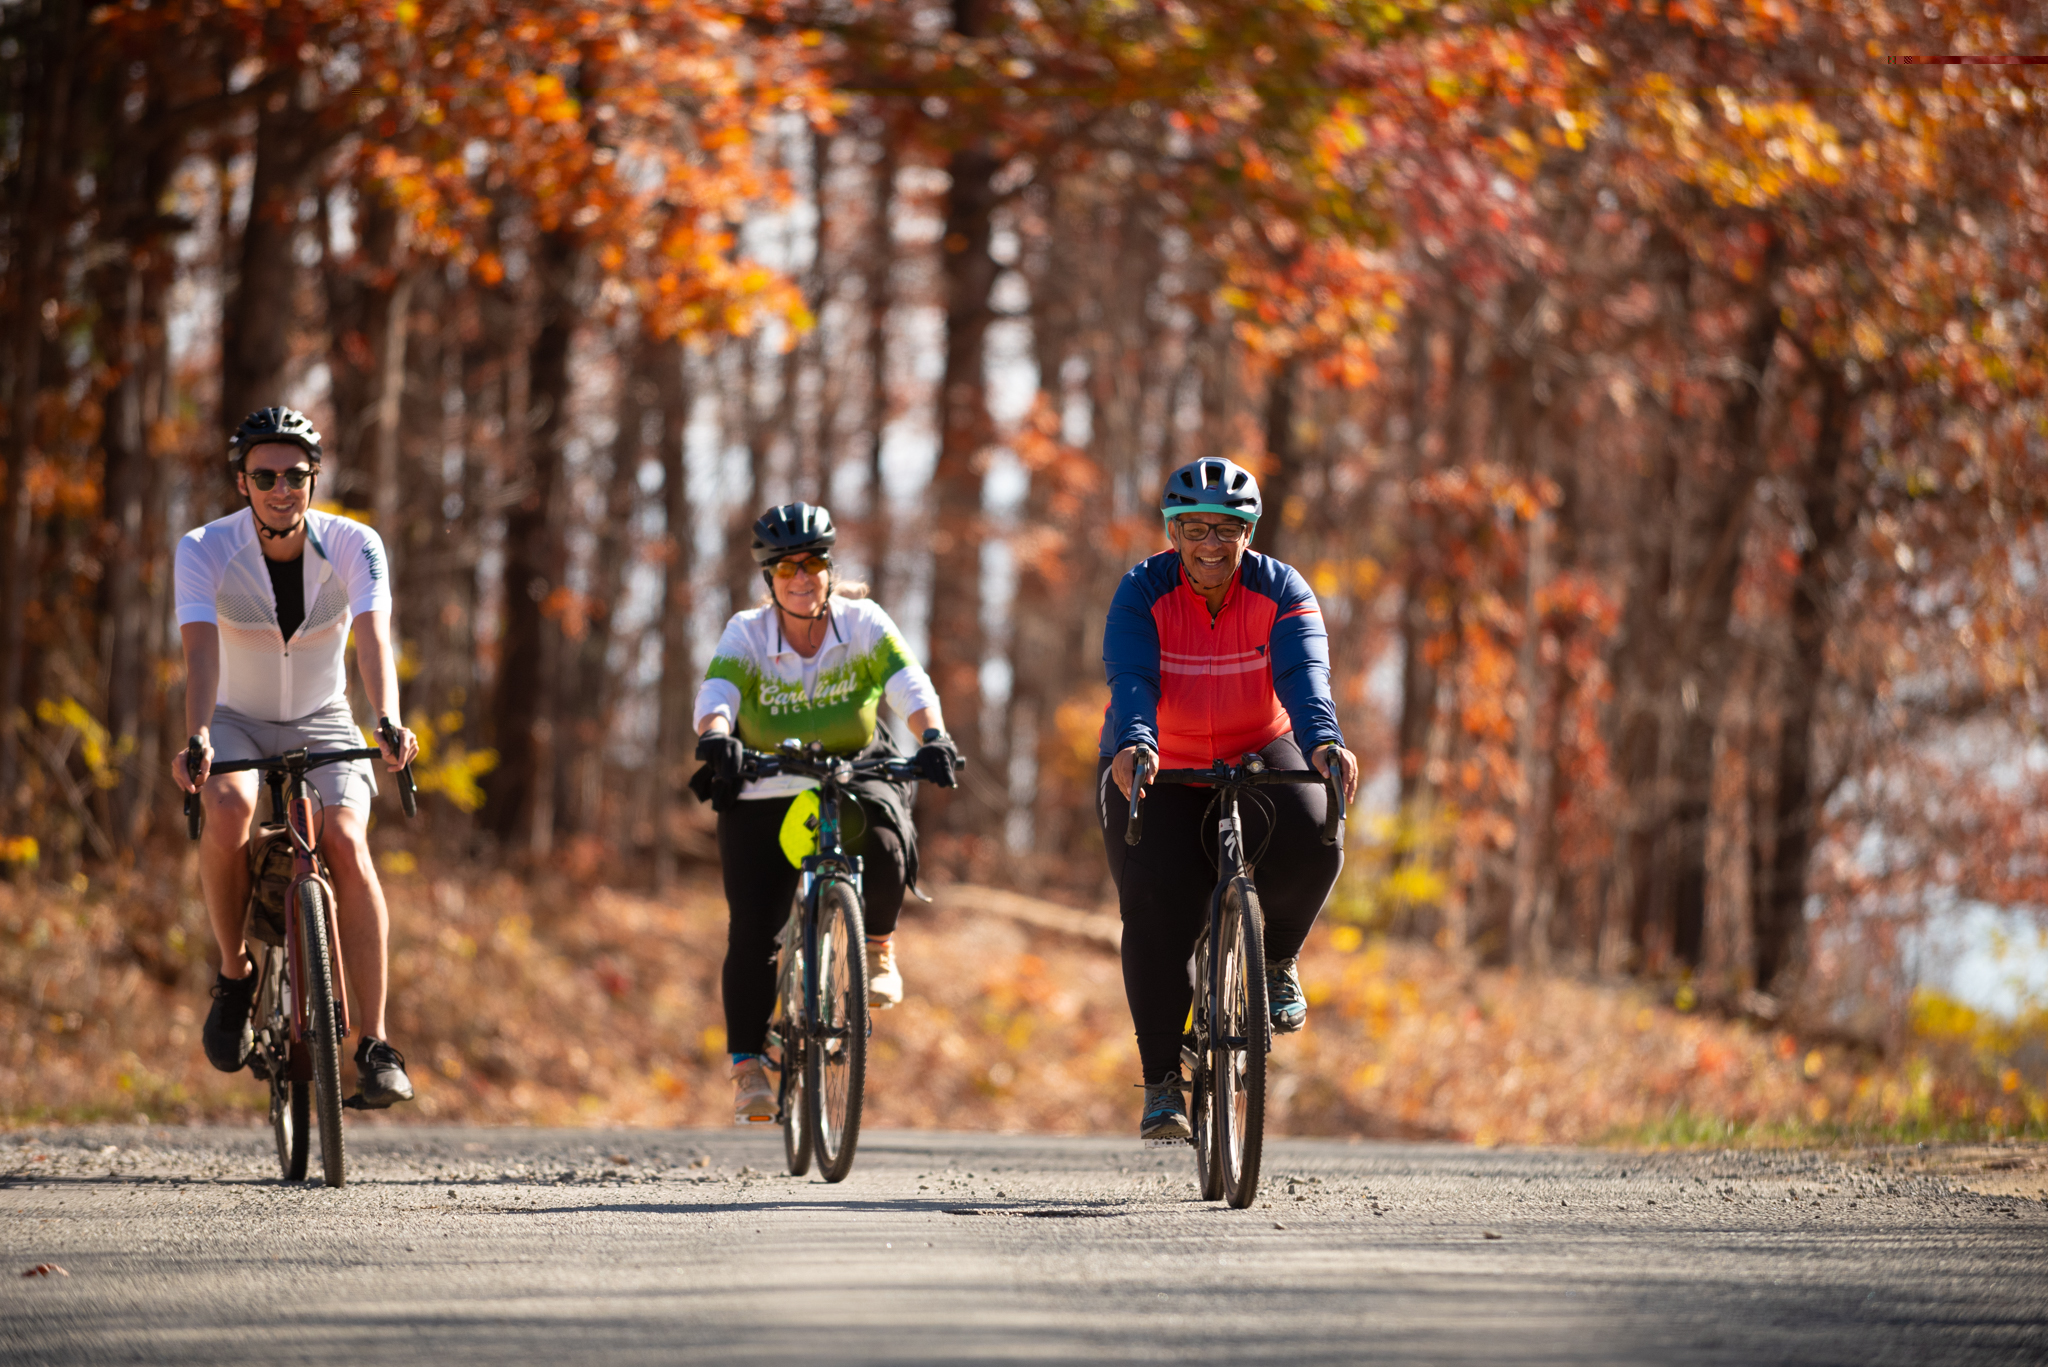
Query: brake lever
<point>194,808</point>
<point>1142,768</point>
<point>1333,818</point>
<point>406,793</point>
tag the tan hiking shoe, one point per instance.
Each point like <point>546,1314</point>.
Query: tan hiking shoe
<point>885,981</point>
<point>753,1101</point>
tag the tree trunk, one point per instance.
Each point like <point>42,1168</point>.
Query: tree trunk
<point>674,740</point>
<point>591,709</point>
<point>50,39</point>
<point>880,272</point>
<point>742,575</point>
<point>957,642</point>
<point>1706,635</point>
<point>521,804</point>
<point>132,289</point>
<point>1532,814</point>
<point>1781,894</point>
<point>258,312</point>
<point>1285,511</point>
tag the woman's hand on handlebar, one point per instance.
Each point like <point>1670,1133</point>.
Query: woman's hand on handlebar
<point>407,749</point>
<point>191,783</point>
<point>1126,767</point>
<point>1347,766</point>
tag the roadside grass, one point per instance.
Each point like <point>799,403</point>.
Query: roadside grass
<point>559,1002</point>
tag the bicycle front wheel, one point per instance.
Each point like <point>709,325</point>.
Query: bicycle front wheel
<point>836,1053</point>
<point>1238,1036</point>
<point>323,1036</point>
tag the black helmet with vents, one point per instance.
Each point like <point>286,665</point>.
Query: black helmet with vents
<point>277,424</point>
<point>792,529</point>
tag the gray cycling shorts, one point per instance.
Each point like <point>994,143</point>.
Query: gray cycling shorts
<point>333,727</point>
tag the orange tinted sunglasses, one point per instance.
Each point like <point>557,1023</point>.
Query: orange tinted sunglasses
<point>810,564</point>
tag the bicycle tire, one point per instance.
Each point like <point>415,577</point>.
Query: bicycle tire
<point>323,1037</point>
<point>1202,1118</point>
<point>836,1053</point>
<point>290,1103</point>
<point>1239,1035</point>
<point>789,1101</point>
<point>1201,1091</point>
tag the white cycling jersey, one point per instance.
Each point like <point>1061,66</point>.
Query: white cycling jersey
<point>221,578</point>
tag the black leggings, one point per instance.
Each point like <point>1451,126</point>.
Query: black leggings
<point>760,884</point>
<point>1164,883</point>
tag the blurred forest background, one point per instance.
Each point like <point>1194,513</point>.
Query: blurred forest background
<point>1652,393</point>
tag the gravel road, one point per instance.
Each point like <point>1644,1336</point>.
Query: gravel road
<point>522,1246</point>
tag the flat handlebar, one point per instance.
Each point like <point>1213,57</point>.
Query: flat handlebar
<point>1250,774</point>
<point>756,764</point>
<point>302,761</point>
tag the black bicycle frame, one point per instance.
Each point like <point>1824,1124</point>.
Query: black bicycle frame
<point>830,858</point>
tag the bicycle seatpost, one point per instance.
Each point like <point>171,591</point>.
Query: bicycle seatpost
<point>193,806</point>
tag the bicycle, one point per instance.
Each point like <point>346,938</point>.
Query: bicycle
<point>1231,1028</point>
<point>820,1027</point>
<point>300,1014</point>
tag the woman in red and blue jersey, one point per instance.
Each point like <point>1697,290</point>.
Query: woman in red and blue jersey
<point>1213,651</point>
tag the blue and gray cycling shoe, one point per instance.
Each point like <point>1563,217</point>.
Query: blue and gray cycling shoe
<point>1284,997</point>
<point>1166,1113</point>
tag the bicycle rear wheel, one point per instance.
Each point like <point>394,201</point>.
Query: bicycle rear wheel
<point>1201,1085</point>
<point>836,1052</point>
<point>789,1029</point>
<point>323,1036</point>
<point>1238,1037</point>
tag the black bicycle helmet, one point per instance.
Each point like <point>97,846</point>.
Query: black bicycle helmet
<point>791,530</point>
<point>268,425</point>
<point>1212,486</point>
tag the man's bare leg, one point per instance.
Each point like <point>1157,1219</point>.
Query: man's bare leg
<point>224,865</point>
<point>365,920</point>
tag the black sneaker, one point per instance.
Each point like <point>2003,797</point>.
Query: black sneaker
<point>226,1033</point>
<point>380,1074</point>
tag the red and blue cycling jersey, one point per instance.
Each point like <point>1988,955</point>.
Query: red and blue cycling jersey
<point>1197,689</point>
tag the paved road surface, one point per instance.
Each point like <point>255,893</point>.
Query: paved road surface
<point>459,1246</point>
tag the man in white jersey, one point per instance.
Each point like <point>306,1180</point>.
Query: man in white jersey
<point>266,597</point>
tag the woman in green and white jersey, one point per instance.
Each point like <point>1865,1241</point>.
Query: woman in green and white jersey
<point>815,662</point>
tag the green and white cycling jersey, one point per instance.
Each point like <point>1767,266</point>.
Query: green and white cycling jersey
<point>768,693</point>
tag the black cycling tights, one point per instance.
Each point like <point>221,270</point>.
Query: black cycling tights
<point>759,886</point>
<point>1164,884</point>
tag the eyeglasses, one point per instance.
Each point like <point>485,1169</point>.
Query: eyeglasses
<point>1225,531</point>
<point>810,564</point>
<point>298,477</point>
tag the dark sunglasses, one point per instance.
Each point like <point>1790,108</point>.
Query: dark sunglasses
<point>1199,531</point>
<point>810,564</point>
<point>298,477</point>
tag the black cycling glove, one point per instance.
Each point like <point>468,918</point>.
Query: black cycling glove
<point>937,758</point>
<point>722,750</point>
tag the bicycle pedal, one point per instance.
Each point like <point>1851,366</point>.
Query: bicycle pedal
<point>748,1121</point>
<point>1166,1143</point>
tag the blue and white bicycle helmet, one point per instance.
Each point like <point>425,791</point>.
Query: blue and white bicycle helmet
<point>1212,485</point>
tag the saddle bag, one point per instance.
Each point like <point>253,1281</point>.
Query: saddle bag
<point>270,882</point>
